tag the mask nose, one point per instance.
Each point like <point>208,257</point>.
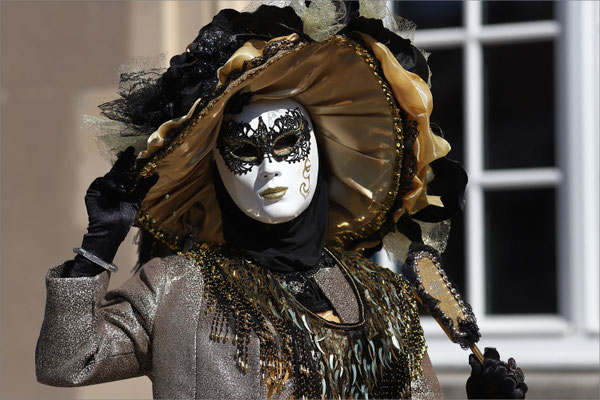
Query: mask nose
<point>268,169</point>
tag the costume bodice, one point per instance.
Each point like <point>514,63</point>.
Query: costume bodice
<point>373,352</point>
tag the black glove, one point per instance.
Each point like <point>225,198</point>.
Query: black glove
<point>112,203</point>
<point>495,379</point>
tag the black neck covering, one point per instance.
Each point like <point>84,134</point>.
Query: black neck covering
<point>292,246</point>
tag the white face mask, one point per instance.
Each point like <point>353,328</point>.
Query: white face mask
<point>268,160</point>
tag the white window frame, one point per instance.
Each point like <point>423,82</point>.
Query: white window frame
<point>570,338</point>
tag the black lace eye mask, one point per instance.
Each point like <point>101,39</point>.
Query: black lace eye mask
<point>243,147</point>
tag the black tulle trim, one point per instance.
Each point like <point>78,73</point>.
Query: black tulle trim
<point>135,107</point>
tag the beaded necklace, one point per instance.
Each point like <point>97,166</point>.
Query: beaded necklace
<point>376,357</point>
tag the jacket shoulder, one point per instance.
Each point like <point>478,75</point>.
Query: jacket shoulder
<point>356,261</point>
<point>174,265</point>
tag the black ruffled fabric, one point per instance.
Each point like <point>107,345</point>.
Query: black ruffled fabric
<point>145,103</point>
<point>449,182</point>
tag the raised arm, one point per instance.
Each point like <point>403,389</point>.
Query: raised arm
<point>90,336</point>
<point>85,339</point>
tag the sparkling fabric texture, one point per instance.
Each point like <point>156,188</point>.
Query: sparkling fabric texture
<point>335,286</point>
<point>426,386</point>
<point>157,324</point>
<point>421,390</point>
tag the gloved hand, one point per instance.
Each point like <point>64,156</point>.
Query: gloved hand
<point>112,203</point>
<point>495,379</point>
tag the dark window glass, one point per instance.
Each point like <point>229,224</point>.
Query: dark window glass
<point>498,12</point>
<point>430,14</point>
<point>447,90</point>
<point>453,259</point>
<point>520,251</point>
<point>519,105</point>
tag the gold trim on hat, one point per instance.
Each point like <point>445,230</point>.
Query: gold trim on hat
<point>352,101</point>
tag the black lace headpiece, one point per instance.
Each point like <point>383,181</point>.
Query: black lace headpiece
<point>146,101</point>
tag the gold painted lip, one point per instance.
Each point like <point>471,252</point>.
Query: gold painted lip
<point>273,193</point>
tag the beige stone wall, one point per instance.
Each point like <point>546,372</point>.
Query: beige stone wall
<point>58,61</point>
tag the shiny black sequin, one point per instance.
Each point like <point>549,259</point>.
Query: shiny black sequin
<point>243,147</point>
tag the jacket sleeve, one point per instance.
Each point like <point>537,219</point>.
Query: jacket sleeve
<point>427,386</point>
<point>90,336</point>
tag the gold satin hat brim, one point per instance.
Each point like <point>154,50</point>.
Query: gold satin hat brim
<point>357,124</point>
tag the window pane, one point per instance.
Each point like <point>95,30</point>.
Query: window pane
<point>520,251</point>
<point>453,259</point>
<point>430,14</point>
<point>519,105</point>
<point>498,12</point>
<point>447,89</point>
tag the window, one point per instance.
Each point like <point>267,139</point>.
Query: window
<point>512,86</point>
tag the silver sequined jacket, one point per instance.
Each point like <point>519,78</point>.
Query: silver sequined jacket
<point>155,325</point>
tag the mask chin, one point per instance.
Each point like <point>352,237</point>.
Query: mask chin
<point>273,189</point>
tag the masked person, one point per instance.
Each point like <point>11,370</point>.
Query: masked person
<point>279,156</point>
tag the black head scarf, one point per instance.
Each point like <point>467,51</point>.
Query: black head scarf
<point>293,246</point>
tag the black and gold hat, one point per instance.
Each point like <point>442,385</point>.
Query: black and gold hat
<point>366,91</point>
